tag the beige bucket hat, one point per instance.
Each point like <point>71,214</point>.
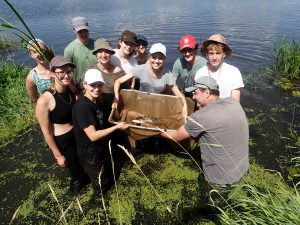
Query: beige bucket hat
<point>216,38</point>
<point>103,43</point>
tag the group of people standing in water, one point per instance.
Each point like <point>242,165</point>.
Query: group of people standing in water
<point>75,93</point>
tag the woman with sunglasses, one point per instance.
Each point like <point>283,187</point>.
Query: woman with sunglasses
<point>54,114</point>
<point>153,76</point>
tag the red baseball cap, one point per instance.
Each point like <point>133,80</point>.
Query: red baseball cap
<point>187,41</point>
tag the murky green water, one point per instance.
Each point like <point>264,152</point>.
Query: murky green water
<point>28,168</point>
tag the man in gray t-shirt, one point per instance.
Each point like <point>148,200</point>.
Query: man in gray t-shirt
<point>222,129</point>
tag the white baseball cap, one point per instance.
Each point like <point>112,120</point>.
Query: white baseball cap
<point>92,76</point>
<point>158,47</point>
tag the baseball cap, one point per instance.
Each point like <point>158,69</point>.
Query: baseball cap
<point>128,36</point>
<point>187,41</point>
<point>80,23</point>
<point>204,82</point>
<point>158,47</point>
<point>103,43</point>
<point>92,76</point>
<point>142,38</point>
<point>59,61</point>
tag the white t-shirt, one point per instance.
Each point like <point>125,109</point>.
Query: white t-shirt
<point>126,65</point>
<point>228,78</point>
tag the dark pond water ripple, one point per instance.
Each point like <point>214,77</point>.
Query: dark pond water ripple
<point>253,28</point>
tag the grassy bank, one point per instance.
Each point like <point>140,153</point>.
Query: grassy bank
<point>15,107</point>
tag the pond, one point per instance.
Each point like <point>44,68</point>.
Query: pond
<point>253,29</point>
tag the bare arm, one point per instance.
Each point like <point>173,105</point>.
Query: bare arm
<point>236,94</point>
<point>95,135</point>
<point>42,114</point>
<point>177,135</point>
<point>31,88</point>
<point>178,93</point>
<point>117,85</point>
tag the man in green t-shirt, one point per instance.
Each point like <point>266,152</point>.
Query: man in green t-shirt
<point>80,50</point>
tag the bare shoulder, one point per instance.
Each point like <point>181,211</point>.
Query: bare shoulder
<point>45,102</point>
<point>29,77</point>
<point>117,69</point>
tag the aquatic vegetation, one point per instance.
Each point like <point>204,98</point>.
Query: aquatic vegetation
<point>261,203</point>
<point>287,66</point>
<point>37,190</point>
<point>7,45</point>
<point>288,60</point>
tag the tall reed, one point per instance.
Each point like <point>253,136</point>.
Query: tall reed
<point>288,60</point>
<point>263,207</point>
<point>26,36</point>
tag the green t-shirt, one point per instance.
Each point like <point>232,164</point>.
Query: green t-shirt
<point>81,56</point>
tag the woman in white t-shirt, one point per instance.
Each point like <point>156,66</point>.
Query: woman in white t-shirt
<point>228,77</point>
<point>124,53</point>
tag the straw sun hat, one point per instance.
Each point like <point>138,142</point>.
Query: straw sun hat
<point>216,38</point>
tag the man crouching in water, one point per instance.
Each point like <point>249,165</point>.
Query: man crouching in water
<point>221,126</point>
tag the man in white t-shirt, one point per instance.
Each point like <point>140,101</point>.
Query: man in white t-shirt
<point>228,77</point>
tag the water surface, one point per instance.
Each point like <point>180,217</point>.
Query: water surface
<point>253,28</point>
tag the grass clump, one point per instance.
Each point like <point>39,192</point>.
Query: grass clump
<point>15,108</point>
<point>288,59</point>
<point>288,66</point>
<point>262,199</point>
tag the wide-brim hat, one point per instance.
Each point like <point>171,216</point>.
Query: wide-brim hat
<point>216,38</point>
<point>103,43</point>
<point>59,61</point>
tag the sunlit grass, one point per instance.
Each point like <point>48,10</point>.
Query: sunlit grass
<point>17,111</point>
<point>288,60</point>
<point>262,206</point>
